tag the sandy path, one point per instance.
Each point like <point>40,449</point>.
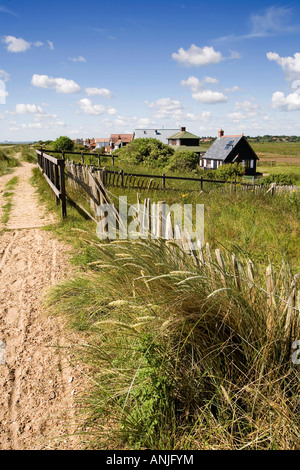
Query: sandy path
<point>26,213</point>
<point>39,377</point>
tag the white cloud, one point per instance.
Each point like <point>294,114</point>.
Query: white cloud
<point>28,109</point>
<point>210,80</point>
<point>249,107</point>
<point>51,45</point>
<point>99,92</point>
<point>16,44</point>
<point>88,108</point>
<point>78,59</point>
<point>61,85</point>
<point>192,82</point>
<point>197,56</point>
<point>111,111</point>
<point>275,19</point>
<point>166,107</point>
<point>204,116</point>
<point>4,76</point>
<point>232,89</point>
<point>289,102</point>
<point>236,116</point>
<point>290,65</point>
<point>38,44</point>
<point>210,97</point>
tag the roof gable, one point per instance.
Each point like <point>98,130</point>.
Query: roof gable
<point>223,148</point>
<point>184,135</point>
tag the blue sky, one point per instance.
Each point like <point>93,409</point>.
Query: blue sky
<point>89,69</point>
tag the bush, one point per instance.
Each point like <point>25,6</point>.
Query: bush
<point>183,160</point>
<point>279,179</point>
<point>230,171</point>
<point>63,144</point>
<point>149,152</point>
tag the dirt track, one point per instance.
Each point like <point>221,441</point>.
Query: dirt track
<point>39,378</point>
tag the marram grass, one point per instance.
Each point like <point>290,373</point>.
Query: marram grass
<point>185,355</point>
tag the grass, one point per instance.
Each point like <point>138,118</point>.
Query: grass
<point>185,356</point>
<point>180,360</point>
<point>8,196</point>
<point>7,160</point>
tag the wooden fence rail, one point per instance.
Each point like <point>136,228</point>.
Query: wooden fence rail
<point>53,170</point>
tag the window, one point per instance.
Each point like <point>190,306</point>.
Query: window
<point>229,144</point>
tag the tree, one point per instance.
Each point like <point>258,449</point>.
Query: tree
<point>63,144</point>
<point>148,152</point>
<point>183,160</point>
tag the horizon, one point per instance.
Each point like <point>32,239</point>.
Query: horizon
<point>159,66</point>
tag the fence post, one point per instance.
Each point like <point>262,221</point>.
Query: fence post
<point>63,188</point>
<point>122,177</point>
<point>113,160</point>
<point>163,181</point>
<point>201,183</point>
<point>82,158</point>
<point>99,160</point>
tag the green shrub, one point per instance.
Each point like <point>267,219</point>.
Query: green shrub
<point>230,171</point>
<point>149,152</point>
<point>63,144</point>
<point>281,179</point>
<point>182,160</point>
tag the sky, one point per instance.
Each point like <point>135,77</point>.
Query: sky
<point>93,68</point>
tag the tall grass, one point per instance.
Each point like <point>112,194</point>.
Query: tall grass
<point>7,161</point>
<point>185,355</point>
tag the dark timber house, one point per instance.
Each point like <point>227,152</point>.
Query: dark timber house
<point>184,140</point>
<point>230,149</point>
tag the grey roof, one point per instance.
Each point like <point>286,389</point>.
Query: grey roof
<point>159,134</point>
<point>222,147</point>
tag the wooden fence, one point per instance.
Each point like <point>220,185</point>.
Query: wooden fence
<point>53,170</point>
<point>155,222</point>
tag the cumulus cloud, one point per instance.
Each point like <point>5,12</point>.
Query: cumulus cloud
<point>197,56</point>
<point>99,92</point>
<point>88,108</point>
<point>212,80</point>
<point>51,45</point>
<point>210,97</point>
<point>28,109</point>
<point>290,65</point>
<point>249,107</point>
<point>289,102</point>
<point>16,44</point>
<point>166,107</point>
<point>61,85</point>
<point>236,116</point>
<point>204,116</point>
<point>91,109</point>
<point>192,82</point>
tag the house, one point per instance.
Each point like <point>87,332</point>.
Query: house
<point>102,142</point>
<point>230,149</point>
<point>184,140</point>
<point>117,141</point>
<point>159,134</point>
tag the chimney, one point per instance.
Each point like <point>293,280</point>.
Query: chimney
<point>182,129</point>
<point>220,133</point>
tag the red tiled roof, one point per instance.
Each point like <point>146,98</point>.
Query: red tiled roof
<point>122,137</point>
<point>102,139</point>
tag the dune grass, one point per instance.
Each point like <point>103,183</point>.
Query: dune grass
<point>183,356</point>
<point>7,160</point>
